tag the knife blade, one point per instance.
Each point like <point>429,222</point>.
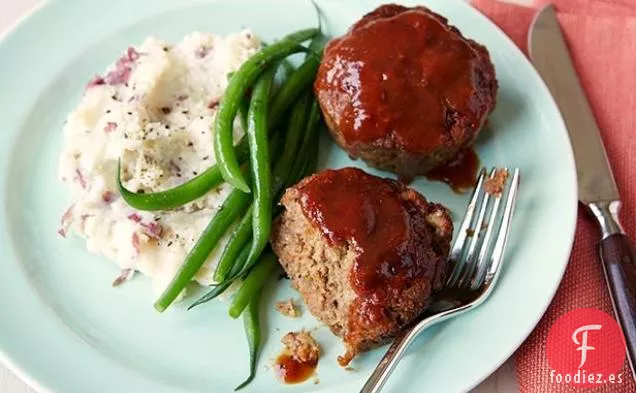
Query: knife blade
<point>597,187</point>
<point>550,57</point>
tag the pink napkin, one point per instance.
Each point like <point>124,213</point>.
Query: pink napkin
<point>601,35</point>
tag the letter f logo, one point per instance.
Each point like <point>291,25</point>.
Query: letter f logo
<point>583,343</point>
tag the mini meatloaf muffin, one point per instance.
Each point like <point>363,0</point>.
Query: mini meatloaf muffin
<point>404,90</point>
<point>364,252</point>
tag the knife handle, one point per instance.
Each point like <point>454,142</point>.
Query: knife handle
<point>619,265</point>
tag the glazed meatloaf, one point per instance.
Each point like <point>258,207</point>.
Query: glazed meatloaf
<point>364,252</point>
<point>404,90</point>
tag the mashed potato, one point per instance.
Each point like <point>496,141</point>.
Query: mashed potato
<point>153,109</point>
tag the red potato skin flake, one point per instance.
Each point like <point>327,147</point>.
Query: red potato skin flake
<point>153,230</point>
<point>174,167</point>
<point>83,218</point>
<point>80,178</point>
<point>132,54</point>
<point>65,221</point>
<point>214,103</point>
<point>202,52</point>
<point>135,242</point>
<point>124,275</point>
<point>96,81</point>
<point>121,73</point>
<point>108,197</point>
<point>134,217</point>
<point>110,126</point>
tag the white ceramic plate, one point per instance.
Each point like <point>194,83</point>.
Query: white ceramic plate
<point>64,329</point>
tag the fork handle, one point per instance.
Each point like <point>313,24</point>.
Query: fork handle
<point>390,359</point>
<point>397,349</point>
<point>619,265</point>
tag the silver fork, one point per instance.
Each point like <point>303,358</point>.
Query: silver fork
<point>475,260</point>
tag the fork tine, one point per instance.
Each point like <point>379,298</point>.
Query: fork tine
<point>502,237</point>
<point>493,226</point>
<point>476,239</point>
<point>460,241</point>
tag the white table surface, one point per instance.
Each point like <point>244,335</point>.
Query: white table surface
<point>502,381</point>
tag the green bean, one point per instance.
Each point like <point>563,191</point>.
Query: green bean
<point>260,162</point>
<point>216,291</point>
<point>308,143</point>
<point>298,81</point>
<point>233,206</point>
<point>294,86</point>
<point>283,165</point>
<point>241,260</point>
<point>212,177</point>
<point>252,326</point>
<point>181,194</point>
<point>225,284</point>
<point>188,191</point>
<point>252,283</point>
<point>285,67</point>
<point>308,166</point>
<point>317,45</point>
<point>243,109</point>
<point>234,246</point>
<point>242,232</point>
<point>312,160</point>
<point>237,86</point>
<point>293,139</point>
<point>288,68</point>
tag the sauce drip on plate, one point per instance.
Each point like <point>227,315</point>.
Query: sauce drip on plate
<point>460,174</point>
<point>290,370</point>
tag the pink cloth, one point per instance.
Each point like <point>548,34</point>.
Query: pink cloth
<point>601,35</point>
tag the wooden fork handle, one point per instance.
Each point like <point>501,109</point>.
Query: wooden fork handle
<point>619,265</point>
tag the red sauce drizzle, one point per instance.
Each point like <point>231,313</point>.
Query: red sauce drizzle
<point>382,219</point>
<point>460,174</point>
<point>403,79</point>
<point>290,370</point>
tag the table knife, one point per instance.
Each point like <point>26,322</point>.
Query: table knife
<point>596,186</point>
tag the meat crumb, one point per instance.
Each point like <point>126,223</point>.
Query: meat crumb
<point>495,185</point>
<point>287,308</point>
<point>302,346</point>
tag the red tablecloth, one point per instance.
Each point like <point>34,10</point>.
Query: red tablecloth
<point>602,39</point>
